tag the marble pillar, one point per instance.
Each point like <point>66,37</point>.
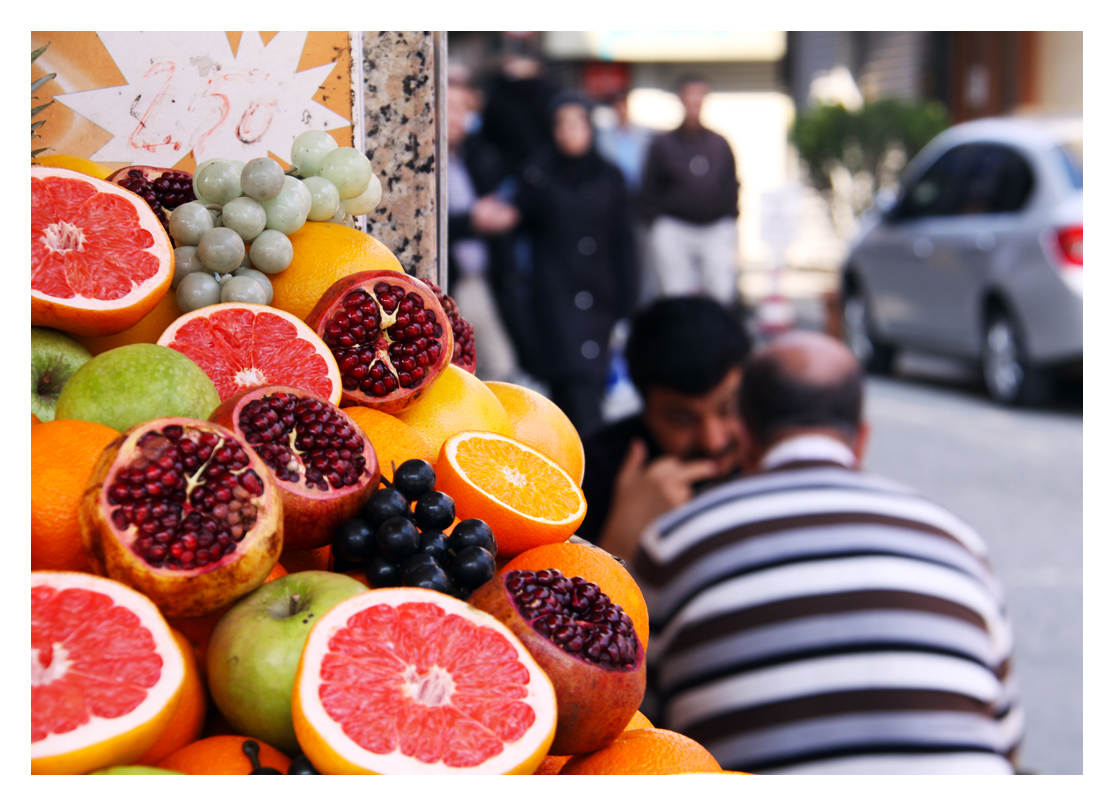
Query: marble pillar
<point>400,74</point>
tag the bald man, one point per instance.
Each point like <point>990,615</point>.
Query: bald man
<point>811,618</point>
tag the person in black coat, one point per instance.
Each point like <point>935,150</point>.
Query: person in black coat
<point>583,278</point>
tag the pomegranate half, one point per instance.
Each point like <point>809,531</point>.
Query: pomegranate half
<point>183,511</point>
<point>586,644</point>
<point>164,189</point>
<point>323,465</point>
<point>464,346</point>
<point>389,334</point>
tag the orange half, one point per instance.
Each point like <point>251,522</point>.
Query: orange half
<point>527,498</point>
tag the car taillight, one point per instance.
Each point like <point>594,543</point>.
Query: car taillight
<point>1071,243</point>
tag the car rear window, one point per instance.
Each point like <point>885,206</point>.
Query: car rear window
<point>1072,155</point>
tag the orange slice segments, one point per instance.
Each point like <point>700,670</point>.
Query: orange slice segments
<point>524,496</point>
<point>411,681</point>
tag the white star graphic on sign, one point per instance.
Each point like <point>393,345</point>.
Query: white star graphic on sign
<point>186,91</point>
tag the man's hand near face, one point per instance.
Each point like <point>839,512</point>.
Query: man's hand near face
<point>644,491</point>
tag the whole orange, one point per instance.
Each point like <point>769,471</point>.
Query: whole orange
<point>639,721</point>
<point>147,330</point>
<point>393,440</point>
<point>456,401</point>
<point>551,765</point>
<point>189,715</point>
<point>645,751</point>
<point>323,254</point>
<point>598,567</point>
<point>537,421</point>
<point>222,755</point>
<point>63,454</point>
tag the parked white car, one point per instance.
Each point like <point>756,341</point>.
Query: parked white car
<point>979,256</point>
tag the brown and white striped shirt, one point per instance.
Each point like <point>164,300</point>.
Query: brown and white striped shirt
<point>815,619</point>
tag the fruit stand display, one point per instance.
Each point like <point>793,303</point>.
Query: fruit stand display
<point>278,524</point>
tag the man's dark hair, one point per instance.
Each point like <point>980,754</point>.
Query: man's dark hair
<point>686,344</point>
<point>774,399</point>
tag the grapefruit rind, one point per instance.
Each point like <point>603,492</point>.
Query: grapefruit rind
<point>332,752</point>
<point>91,316</point>
<point>102,742</point>
<point>251,376</point>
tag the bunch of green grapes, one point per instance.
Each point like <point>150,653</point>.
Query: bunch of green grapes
<point>237,230</point>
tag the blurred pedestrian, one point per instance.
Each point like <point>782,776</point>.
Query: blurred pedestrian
<point>479,232</point>
<point>625,144</point>
<point>685,357</point>
<point>576,217</point>
<point>517,112</point>
<point>690,196</point>
<point>811,618</point>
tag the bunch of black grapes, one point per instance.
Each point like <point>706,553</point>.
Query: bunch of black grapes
<point>398,544</point>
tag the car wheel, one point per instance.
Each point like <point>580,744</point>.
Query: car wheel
<point>859,336</point>
<point>1010,378</point>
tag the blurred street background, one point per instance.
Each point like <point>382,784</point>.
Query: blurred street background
<point>820,123</point>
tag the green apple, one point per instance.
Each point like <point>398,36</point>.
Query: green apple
<point>255,648</point>
<point>136,383</point>
<point>55,356</point>
<point>135,770</point>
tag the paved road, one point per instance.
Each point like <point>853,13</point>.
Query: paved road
<point>1017,477</point>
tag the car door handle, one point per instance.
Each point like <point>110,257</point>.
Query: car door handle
<point>923,248</point>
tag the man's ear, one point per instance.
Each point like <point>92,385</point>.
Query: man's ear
<point>859,446</point>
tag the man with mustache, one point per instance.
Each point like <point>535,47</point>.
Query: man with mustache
<point>685,356</point>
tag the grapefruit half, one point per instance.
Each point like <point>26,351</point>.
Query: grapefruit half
<point>106,673</point>
<point>411,681</point>
<point>100,258</point>
<point>240,345</point>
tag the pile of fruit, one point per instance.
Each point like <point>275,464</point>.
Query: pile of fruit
<point>292,533</point>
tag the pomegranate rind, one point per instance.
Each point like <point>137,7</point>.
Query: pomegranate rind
<point>212,356</point>
<point>179,593</point>
<point>332,752</point>
<point>396,401</point>
<point>310,516</point>
<point>595,705</point>
<point>87,316</point>
<point>110,742</point>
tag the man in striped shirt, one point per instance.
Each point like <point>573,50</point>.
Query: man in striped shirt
<point>810,618</point>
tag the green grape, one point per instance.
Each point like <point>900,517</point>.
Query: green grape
<point>298,187</point>
<point>185,262</point>
<point>188,222</point>
<point>308,151</point>
<point>339,216</point>
<point>260,278</point>
<point>197,290</point>
<point>243,289</point>
<point>262,178</point>
<point>218,182</point>
<point>348,169</point>
<point>366,201</point>
<point>221,250</point>
<point>272,252</point>
<point>286,212</point>
<point>324,198</point>
<point>244,216</point>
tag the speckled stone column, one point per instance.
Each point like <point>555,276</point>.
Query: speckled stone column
<point>400,116</point>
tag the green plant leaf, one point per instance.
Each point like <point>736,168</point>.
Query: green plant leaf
<point>36,84</point>
<point>37,53</point>
<point>36,152</point>
<point>39,109</point>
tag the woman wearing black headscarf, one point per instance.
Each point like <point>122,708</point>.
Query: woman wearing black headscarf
<point>576,217</point>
